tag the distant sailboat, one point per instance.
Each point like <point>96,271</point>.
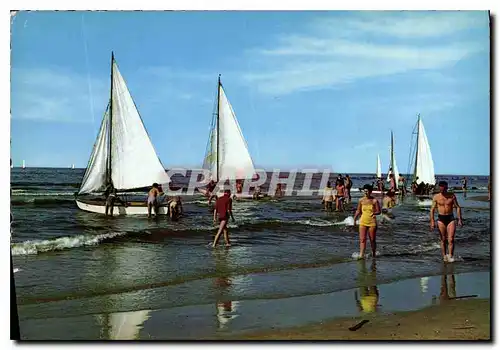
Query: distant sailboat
<point>392,164</point>
<point>72,166</point>
<point>227,156</point>
<point>423,168</point>
<point>123,155</point>
<point>24,164</point>
<point>393,167</point>
<point>379,168</point>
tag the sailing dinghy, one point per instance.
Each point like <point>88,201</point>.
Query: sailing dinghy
<point>423,168</point>
<point>227,156</point>
<point>123,155</point>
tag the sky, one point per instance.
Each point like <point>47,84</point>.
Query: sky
<point>313,89</point>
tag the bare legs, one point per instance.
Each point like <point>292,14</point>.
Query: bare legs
<point>447,238</point>
<point>222,228</point>
<point>372,233</point>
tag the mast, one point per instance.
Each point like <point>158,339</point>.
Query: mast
<point>218,105</point>
<point>110,134</point>
<point>392,153</point>
<point>416,153</point>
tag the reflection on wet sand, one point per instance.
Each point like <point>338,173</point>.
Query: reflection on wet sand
<point>448,285</point>
<point>368,298</point>
<point>226,308</point>
<point>122,325</point>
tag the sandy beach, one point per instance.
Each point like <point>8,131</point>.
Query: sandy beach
<point>466,319</point>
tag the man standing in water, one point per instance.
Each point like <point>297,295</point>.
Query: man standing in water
<point>348,186</point>
<point>328,197</point>
<point>464,186</point>
<point>392,183</point>
<point>445,202</point>
<point>224,209</point>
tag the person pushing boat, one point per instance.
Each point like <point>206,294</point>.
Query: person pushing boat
<point>153,202</point>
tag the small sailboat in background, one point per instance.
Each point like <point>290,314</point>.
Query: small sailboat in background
<point>72,166</point>
<point>227,156</point>
<point>24,164</point>
<point>123,155</point>
<point>393,167</point>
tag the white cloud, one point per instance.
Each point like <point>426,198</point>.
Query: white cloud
<point>54,94</point>
<point>346,49</point>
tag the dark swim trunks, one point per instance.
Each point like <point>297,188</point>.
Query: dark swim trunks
<point>446,219</point>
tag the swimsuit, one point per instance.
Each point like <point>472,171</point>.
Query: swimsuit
<point>366,217</point>
<point>446,219</point>
<point>152,199</point>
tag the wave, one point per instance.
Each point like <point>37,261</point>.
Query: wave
<point>41,246</point>
<point>41,201</point>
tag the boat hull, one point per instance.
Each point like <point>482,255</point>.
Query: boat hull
<point>133,208</point>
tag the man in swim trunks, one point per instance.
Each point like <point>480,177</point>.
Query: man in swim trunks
<point>339,204</point>
<point>445,202</point>
<point>223,209</point>
<point>174,208</point>
<point>328,196</point>
<point>279,191</point>
<point>368,208</point>
<point>348,186</point>
<point>153,202</point>
<point>392,183</point>
<point>464,186</point>
<point>111,199</point>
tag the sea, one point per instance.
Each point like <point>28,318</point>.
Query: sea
<point>83,276</point>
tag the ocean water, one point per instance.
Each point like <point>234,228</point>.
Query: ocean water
<point>85,276</point>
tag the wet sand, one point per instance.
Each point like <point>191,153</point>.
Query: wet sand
<point>479,198</point>
<point>466,319</point>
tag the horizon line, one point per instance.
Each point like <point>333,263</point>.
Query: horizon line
<point>288,169</point>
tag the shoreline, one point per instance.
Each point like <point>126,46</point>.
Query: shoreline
<point>467,319</point>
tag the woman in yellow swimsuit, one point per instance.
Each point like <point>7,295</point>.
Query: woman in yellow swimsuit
<point>368,208</point>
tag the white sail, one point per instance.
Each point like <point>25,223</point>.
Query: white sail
<point>424,165</point>
<point>393,165</point>
<point>234,158</point>
<point>94,179</point>
<point>24,164</point>
<point>379,167</point>
<point>134,162</point>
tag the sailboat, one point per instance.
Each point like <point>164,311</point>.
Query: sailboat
<point>379,168</point>
<point>24,164</point>
<point>393,167</point>
<point>423,168</point>
<point>72,166</point>
<point>123,155</point>
<point>227,156</point>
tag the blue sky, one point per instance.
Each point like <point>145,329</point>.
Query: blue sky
<point>310,89</point>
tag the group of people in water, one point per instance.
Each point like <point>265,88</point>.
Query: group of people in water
<point>156,197</point>
<point>367,210</point>
<point>444,202</point>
